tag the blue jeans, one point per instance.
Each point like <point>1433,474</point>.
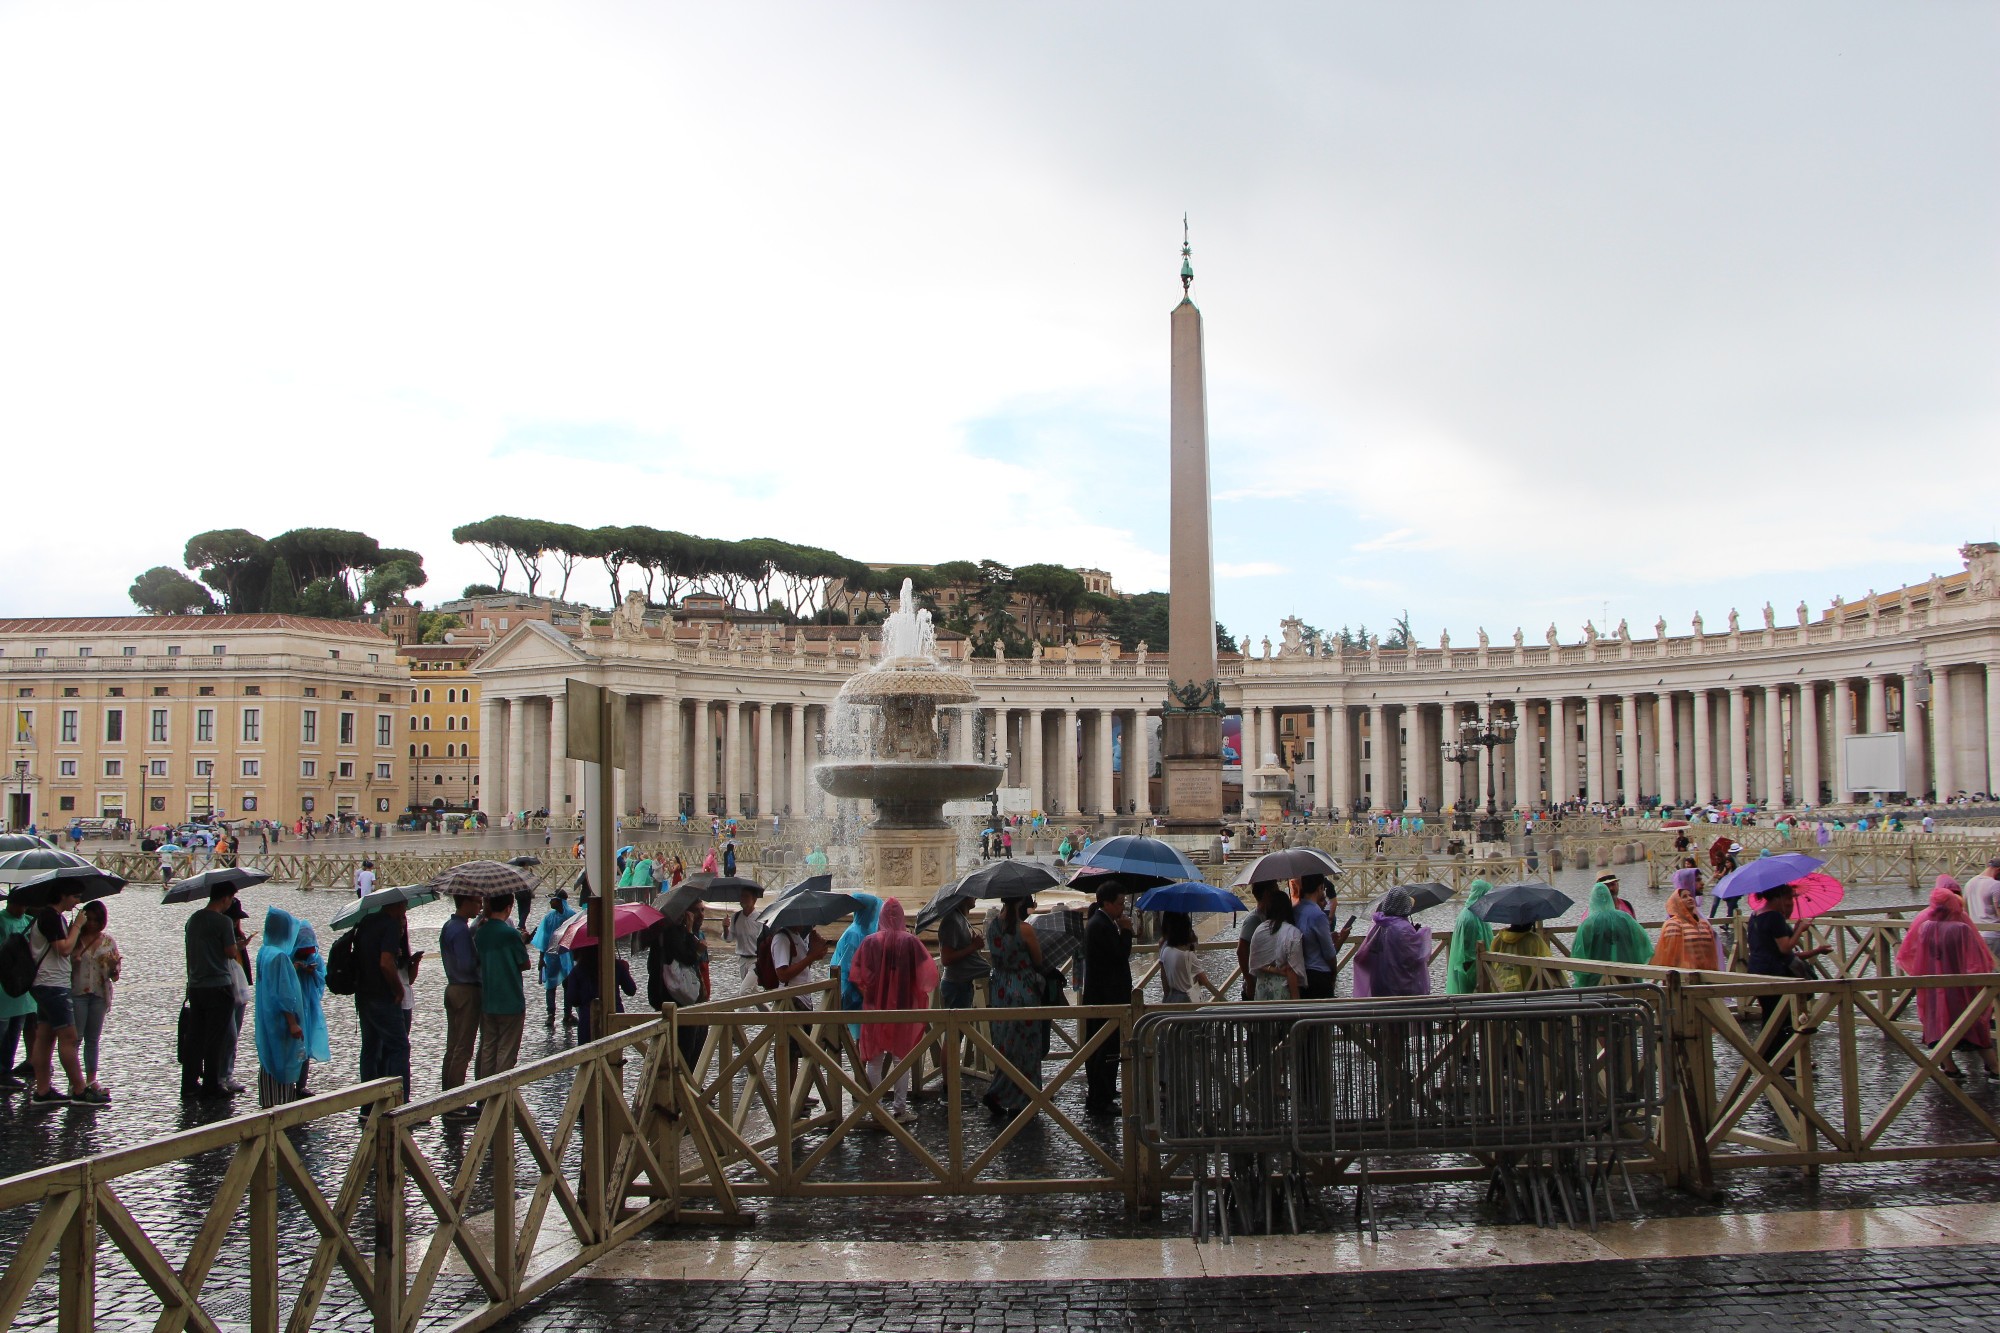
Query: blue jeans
<point>385,1041</point>
<point>90,1011</point>
<point>954,995</point>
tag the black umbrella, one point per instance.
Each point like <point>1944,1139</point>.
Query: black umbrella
<point>819,883</point>
<point>1008,879</point>
<point>1427,894</point>
<point>728,888</point>
<point>86,882</point>
<point>524,861</point>
<point>944,900</point>
<point>199,888</point>
<point>1287,863</point>
<point>24,865</point>
<point>1519,905</point>
<point>675,902</point>
<point>21,842</point>
<point>805,910</point>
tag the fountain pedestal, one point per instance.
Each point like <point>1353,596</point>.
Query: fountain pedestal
<point>908,863</point>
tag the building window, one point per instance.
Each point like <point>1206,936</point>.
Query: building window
<point>114,768</point>
<point>156,768</point>
<point>114,725</point>
<point>41,652</point>
<point>159,726</point>
<point>62,802</point>
<point>375,657</point>
<point>308,768</point>
<point>253,725</point>
<point>451,696</point>
<point>333,653</point>
<point>217,649</point>
<point>71,692</point>
<point>427,696</point>
<point>83,652</point>
<point>128,651</point>
<point>451,752</point>
<point>252,768</point>
<point>68,735</point>
<point>25,692</point>
<point>384,771</point>
<point>66,768</point>
<point>427,752</point>
<point>385,729</point>
<point>465,723</point>
<point>312,692</point>
<point>426,725</point>
<point>309,727</point>
<point>204,726</point>
<point>116,692</point>
<point>159,691</point>
<point>437,780</point>
<point>173,650</point>
<point>204,768</point>
<point>413,722</point>
<point>413,752</point>
<point>450,723</point>
<point>204,690</point>
<point>253,689</point>
<point>347,728</point>
<point>249,802</point>
<point>346,768</point>
<point>347,694</point>
<point>413,696</point>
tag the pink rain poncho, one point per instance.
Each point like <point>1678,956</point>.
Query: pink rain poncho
<point>892,970</point>
<point>1942,941</point>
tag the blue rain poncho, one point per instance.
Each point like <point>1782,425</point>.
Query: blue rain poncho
<point>849,944</point>
<point>556,962</point>
<point>312,987</point>
<point>279,994</point>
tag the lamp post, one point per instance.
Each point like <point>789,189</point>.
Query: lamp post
<point>1489,733</point>
<point>1458,752</point>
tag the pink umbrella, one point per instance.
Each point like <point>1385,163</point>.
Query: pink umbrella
<point>1816,893</point>
<point>626,919</point>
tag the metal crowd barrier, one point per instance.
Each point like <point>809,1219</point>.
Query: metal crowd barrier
<point>1551,1088</point>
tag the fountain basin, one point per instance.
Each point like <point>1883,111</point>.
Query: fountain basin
<point>908,781</point>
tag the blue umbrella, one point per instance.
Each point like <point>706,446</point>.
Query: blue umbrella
<point>1768,873</point>
<point>1130,854</point>
<point>1189,897</point>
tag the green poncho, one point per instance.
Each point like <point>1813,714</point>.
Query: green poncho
<point>1608,935</point>
<point>1462,973</point>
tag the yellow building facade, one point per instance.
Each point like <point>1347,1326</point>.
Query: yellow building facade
<point>159,719</point>
<point>441,734</point>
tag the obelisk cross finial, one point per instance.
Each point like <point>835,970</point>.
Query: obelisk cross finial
<point>1187,263</point>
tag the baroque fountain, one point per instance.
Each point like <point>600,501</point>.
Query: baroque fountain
<point>893,755</point>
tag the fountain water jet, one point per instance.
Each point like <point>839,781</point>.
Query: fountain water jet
<point>908,850</point>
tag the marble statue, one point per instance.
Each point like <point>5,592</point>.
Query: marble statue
<point>1483,643</point>
<point>1519,639</point>
<point>1267,647</point>
<point>1660,628</point>
<point>1697,624</point>
<point>1589,632</point>
<point>1444,640</point>
<point>1552,636</point>
<point>1624,631</point>
<point>1105,651</point>
<point>1069,651</point>
<point>1770,617</point>
<point>1294,643</point>
<point>999,650</point>
<point>1733,626</point>
<point>1037,653</point>
<point>628,620</point>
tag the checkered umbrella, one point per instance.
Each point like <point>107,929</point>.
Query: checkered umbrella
<point>481,879</point>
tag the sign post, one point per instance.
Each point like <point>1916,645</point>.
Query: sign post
<point>597,737</point>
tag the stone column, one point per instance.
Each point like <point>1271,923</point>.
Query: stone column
<point>732,757</point>
<point>766,801</point>
<point>1340,739</point>
<point>1107,783</point>
<point>798,804</point>
<point>1944,737</point>
<point>670,756</point>
<point>1739,747</point>
<point>1628,742</point>
<point>1562,746</point>
<point>1322,757</point>
<point>1066,748</point>
<point>648,750</point>
<point>1416,752</point>
<point>1914,758</point>
<point>1382,790</point>
<point>517,755</point>
<point>1593,748</point>
<point>1704,749</point>
<point>1139,762</point>
<point>1666,761</point>
<point>1528,781</point>
<point>704,757</point>
<point>1843,727</point>
<point>1878,704</point>
<point>1037,793</point>
<point>1774,746</point>
<point>1448,774</point>
<point>1992,726</point>
<point>492,754</point>
<point>1805,745</point>
<point>559,787</point>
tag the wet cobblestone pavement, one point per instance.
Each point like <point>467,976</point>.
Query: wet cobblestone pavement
<point>1949,1288</point>
<point>139,1066</point>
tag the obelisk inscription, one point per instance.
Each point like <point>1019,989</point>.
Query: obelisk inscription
<point>1191,724</point>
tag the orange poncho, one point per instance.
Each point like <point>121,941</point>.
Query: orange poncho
<point>1686,941</point>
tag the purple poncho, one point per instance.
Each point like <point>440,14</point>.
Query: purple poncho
<point>1395,959</point>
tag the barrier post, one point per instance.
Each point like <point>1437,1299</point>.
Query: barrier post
<point>77,1262</point>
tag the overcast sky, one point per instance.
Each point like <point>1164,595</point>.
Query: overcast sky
<point>1516,313</point>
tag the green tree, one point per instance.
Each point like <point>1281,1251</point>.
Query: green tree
<point>493,539</point>
<point>282,595</point>
<point>163,591</point>
<point>570,546</point>
<point>1223,643</point>
<point>233,561</point>
<point>386,584</point>
<point>479,590</point>
<point>327,553</point>
<point>432,626</point>
<point>1139,619</point>
<point>328,599</point>
<point>1400,633</point>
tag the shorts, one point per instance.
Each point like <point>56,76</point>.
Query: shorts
<point>53,1007</point>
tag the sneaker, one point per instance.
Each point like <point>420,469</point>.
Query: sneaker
<point>233,1088</point>
<point>51,1097</point>
<point>906,1116</point>
<point>99,1093</point>
<point>91,1097</point>
<point>212,1092</point>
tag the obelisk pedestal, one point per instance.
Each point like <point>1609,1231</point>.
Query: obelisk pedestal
<point>1191,716</point>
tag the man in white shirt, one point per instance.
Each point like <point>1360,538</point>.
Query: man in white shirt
<point>364,879</point>
<point>1982,900</point>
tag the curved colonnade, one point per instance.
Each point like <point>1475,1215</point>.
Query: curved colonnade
<point>1744,716</point>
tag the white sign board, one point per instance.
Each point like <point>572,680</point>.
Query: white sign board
<point>1874,761</point>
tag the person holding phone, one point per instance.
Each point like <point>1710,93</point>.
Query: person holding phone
<point>385,992</point>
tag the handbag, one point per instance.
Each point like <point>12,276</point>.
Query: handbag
<point>683,983</point>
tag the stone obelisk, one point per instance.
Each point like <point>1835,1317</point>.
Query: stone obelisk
<point>1191,739</point>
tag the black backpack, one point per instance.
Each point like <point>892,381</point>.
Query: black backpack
<point>18,965</point>
<point>340,968</point>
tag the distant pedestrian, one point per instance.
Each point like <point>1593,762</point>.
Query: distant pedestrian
<point>867,911</point>
<point>364,880</point>
<point>94,967</point>
<point>555,963</point>
<point>729,857</point>
<point>281,1012</point>
<point>1322,950</point>
<point>677,972</point>
<point>1180,964</point>
<point>1017,983</point>
<point>461,989</point>
<point>581,989</point>
<point>1469,934</point>
<point>1941,941</point>
<point>740,926</point>
<point>1608,935</point>
<point>239,1008</point>
<point>1107,979</point>
<point>503,957</point>
<point>385,992</point>
<point>893,971</point>
<point>52,937</point>
<point>1277,951</point>
<point>209,940</point>
<point>1686,940</point>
